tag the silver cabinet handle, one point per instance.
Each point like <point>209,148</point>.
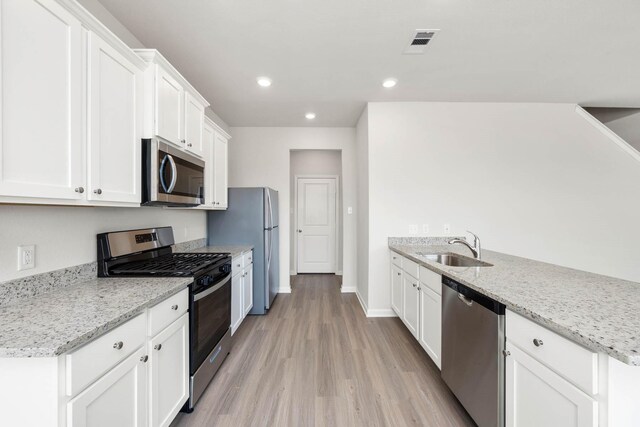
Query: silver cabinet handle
<point>465,300</point>
<point>144,358</point>
<point>80,190</point>
<point>537,342</point>
<point>98,191</point>
<point>118,345</point>
<point>174,307</point>
<point>157,347</point>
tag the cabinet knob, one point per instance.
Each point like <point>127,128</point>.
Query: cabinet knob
<point>414,285</point>
<point>98,191</point>
<point>144,358</point>
<point>183,141</point>
<point>419,288</point>
<point>506,353</point>
<point>537,342</point>
<point>189,145</point>
<point>299,231</point>
<point>174,307</point>
<point>157,347</point>
<point>399,274</point>
<point>80,190</point>
<point>118,345</point>
<point>395,258</point>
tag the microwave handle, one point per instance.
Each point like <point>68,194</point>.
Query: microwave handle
<point>174,174</point>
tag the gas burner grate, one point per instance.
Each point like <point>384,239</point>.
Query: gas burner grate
<point>178,264</point>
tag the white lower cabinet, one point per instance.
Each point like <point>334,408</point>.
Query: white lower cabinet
<point>118,398</point>
<point>537,396</point>
<point>411,304</point>
<point>241,289</point>
<point>430,330</point>
<point>169,366</point>
<point>247,289</point>
<point>396,289</point>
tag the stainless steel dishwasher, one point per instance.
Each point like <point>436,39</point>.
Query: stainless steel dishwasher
<point>472,346</point>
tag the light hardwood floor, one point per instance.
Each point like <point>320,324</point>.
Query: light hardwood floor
<point>316,360</point>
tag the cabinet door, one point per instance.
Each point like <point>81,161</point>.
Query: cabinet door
<point>247,290</point>
<point>169,104</point>
<point>430,322</point>
<point>41,105</point>
<point>208,136</point>
<point>396,289</point>
<point>193,124</point>
<point>117,399</point>
<point>236,302</point>
<point>537,396</point>
<point>411,303</point>
<point>220,171</point>
<point>169,379</point>
<point>115,124</point>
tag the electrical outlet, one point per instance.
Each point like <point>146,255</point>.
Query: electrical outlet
<point>447,229</point>
<point>413,229</point>
<point>425,228</point>
<point>26,257</point>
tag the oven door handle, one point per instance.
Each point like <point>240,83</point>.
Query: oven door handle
<point>211,290</point>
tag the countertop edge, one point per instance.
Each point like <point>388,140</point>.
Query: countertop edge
<point>545,322</point>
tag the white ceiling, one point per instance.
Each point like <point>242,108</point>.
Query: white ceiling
<point>330,56</point>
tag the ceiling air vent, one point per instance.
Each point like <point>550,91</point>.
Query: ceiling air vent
<point>419,41</point>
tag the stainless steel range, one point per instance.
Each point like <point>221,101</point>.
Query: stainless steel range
<point>147,252</point>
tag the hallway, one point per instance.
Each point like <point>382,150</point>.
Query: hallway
<point>316,360</point>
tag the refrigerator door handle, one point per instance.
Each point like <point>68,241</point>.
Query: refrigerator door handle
<point>270,219</point>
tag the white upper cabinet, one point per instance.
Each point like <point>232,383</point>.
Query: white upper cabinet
<point>169,96</point>
<point>115,123</point>
<point>193,124</point>
<point>220,171</point>
<point>174,110</point>
<point>41,105</point>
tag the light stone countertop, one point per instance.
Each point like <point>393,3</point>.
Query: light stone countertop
<point>56,322</point>
<point>234,250</point>
<point>602,313</point>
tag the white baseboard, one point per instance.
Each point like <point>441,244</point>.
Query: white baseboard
<point>362,303</point>
<point>381,312</point>
<point>286,290</point>
<point>293,273</point>
<point>348,289</point>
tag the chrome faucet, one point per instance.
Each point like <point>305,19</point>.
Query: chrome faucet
<point>475,249</point>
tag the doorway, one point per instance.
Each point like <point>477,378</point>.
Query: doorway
<point>316,212</point>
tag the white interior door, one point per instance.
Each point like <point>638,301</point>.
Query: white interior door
<point>316,213</point>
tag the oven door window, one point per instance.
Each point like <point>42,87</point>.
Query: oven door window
<point>179,177</point>
<point>211,318</point>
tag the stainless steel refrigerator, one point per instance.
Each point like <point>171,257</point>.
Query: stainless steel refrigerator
<point>252,219</point>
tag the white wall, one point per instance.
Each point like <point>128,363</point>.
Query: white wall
<point>315,162</point>
<point>66,236</point>
<point>534,180</point>
<point>259,157</point>
<point>108,20</point>
<point>362,215</point>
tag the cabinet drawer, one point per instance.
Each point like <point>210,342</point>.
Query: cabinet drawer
<point>570,360</point>
<point>91,361</point>
<point>396,259</point>
<point>168,311</point>
<point>248,258</point>
<point>411,267</point>
<point>431,279</point>
<point>237,264</point>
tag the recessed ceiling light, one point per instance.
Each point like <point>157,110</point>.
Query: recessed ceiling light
<point>310,116</point>
<point>389,83</point>
<point>264,81</point>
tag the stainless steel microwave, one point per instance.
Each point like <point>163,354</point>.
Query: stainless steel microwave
<point>170,176</point>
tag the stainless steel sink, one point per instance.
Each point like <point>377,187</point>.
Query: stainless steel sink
<point>454,260</point>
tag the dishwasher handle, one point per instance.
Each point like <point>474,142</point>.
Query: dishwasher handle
<point>470,296</point>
